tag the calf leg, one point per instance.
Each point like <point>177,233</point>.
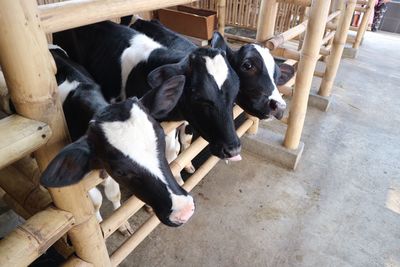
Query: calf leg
<point>97,200</point>
<point>172,148</point>
<point>186,136</point>
<point>113,193</point>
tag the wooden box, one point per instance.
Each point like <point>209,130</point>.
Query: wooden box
<point>199,23</point>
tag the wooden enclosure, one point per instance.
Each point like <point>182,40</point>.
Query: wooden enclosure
<point>39,125</point>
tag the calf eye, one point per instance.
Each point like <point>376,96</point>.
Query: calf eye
<point>247,66</point>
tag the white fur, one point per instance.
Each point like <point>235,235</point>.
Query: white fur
<point>97,200</point>
<point>217,68</point>
<point>112,191</point>
<point>65,88</point>
<point>136,139</point>
<point>270,64</point>
<point>139,50</point>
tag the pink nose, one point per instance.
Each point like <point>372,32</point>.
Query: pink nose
<point>182,215</point>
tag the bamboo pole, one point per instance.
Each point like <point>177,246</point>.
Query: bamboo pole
<point>74,261</point>
<point>266,20</point>
<point>328,37</point>
<point>74,13</point>
<point>364,24</point>
<point>239,38</point>
<point>309,56</point>
<point>296,2</point>
<point>29,71</point>
<point>31,239</point>
<point>280,39</point>
<point>337,49</point>
<point>145,229</point>
<point>221,6</point>
<point>86,235</point>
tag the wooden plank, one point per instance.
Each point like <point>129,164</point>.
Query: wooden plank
<point>70,14</point>
<point>19,137</point>
<point>28,241</point>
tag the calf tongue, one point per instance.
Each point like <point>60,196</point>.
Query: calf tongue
<point>235,158</point>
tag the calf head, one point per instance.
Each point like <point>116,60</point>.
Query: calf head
<point>259,77</point>
<point>207,100</point>
<point>126,140</point>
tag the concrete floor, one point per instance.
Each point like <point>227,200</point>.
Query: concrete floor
<point>341,207</point>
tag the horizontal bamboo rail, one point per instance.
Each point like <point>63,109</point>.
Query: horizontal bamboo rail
<point>280,39</point>
<point>361,9</point>
<point>74,13</point>
<point>288,53</point>
<point>333,15</point>
<point>133,204</point>
<point>19,137</point>
<point>296,2</point>
<point>319,74</point>
<point>362,2</point>
<point>240,38</point>
<point>328,37</point>
<point>31,239</point>
<point>145,229</point>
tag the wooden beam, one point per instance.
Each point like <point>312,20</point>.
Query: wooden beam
<point>338,44</point>
<point>309,56</point>
<point>305,3</point>
<point>19,137</point>
<point>74,13</point>
<point>31,239</point>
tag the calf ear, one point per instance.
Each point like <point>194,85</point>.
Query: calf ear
<point>286,73</point>
<point>161,74</point>
<point>218,42</point>
<point>69,166</point>
<point>160,101</point>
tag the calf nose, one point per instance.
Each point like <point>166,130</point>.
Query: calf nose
<point>183,214</point>
<point>232,152</point>
<point>277,108</point>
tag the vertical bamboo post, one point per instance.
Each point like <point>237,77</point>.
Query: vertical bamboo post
<point>86,235</point>
<point>29,70</point>
<point>339,42</point>
<point>364,24</point>
<point>266,20</point>
<point>221,6</point>
<point>308,59</point>
<point>265,30</point>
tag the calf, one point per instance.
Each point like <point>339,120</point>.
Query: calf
<point>120,57</point>
<point>258,74</point>
<point>122,138</point>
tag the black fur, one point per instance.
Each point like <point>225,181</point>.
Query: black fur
<point>255,83</point>
<point>98,47</point>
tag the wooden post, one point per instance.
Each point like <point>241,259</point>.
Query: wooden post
<point>221,5</point>
<point>29,70</point>
<point>339,42</point>
<point>266,20</point>
<point>364,24</point>
<point>86,235</point>
<point>309,56</point>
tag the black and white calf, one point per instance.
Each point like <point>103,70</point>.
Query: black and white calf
<point>255,66</point>
<point>127,63</point>
<point>123,138</point>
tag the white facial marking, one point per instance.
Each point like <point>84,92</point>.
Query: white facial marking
<point>217,68</point>
<point>136,139</point>
<point>53,46</point>
<point>270,64</point>
<point>65,88</point>
<point>139,50</point>
<point>170,146</point>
